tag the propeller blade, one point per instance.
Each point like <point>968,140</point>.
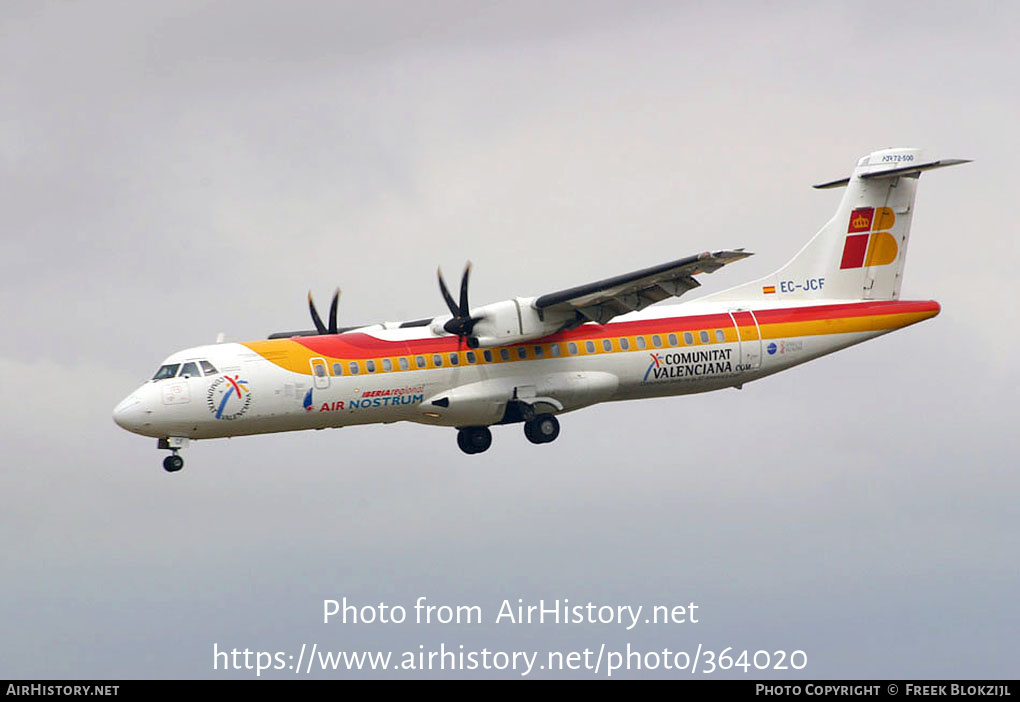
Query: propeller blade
<point>464,311</point>
<point>333,311</point>
<point>446,295</point>
<point>315,316</point>
<point>461,322</point>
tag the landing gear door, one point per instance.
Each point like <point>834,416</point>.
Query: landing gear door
<point>749,336</point>
<point>320,373</point>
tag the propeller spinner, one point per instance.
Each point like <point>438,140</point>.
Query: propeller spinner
<point>462,323</point>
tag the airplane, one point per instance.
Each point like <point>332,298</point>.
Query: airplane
<point>528,360</point>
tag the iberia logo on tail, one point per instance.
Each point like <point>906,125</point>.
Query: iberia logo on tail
<point>868,243</point>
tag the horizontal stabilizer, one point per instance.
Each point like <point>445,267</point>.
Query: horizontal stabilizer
<point>913,169</point>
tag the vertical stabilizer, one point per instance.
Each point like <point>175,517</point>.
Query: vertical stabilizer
<point>859,254</point>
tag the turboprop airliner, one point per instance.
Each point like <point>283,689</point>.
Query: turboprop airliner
<point>528,360</point>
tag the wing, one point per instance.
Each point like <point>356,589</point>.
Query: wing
<point>602,300</point>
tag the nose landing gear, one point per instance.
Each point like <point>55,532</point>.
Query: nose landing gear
<point>173,462</point>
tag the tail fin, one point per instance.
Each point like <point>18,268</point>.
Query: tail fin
<point>859,253</point>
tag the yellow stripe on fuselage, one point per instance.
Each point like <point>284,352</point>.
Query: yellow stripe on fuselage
<point>296,357</point>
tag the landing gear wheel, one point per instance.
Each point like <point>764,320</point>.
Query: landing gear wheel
<point>474,439</point>
<point>172,464</point>
<point>542,429</point>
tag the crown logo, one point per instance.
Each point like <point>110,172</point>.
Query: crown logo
<point>861,249</point>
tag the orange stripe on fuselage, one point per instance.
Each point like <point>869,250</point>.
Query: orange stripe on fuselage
<point>295,354</point>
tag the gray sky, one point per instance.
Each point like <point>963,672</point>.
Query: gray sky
<point>166,174</point>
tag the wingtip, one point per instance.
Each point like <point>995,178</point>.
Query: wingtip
<point>732,254</point>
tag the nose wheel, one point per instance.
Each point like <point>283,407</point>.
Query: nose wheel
<point>173,463</point>
<point>542,429</point>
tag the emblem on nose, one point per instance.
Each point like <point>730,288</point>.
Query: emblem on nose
<point>228,397</point>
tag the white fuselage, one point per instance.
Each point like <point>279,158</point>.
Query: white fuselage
<point>311,383</point>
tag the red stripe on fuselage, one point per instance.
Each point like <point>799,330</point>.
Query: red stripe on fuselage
<point>853,309</point>
<point>358,345</point>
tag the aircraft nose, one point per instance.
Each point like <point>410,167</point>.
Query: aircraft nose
<point>130,414</point>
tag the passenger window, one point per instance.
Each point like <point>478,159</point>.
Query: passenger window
<point>554,349</point>
<point>607,344</point>
<point>641,342</point>
<point>522,352</point>
<point>419,361</point>
<point>589,346</point>
<point>504,354</point>
<point>539,352</point>
<point>454,359</point>
<point>656,340</point>
<point>387,365</point>
<point>338,369</point>
<point>688,338</point>
<point>625,343</point>
<point>572,348</point>
<point>673,341</point>
<point>190,370</point>
<point>319,368</point>
<point>404,365</point>
<point>470,356</point>
<point>437,360</point>
<point>487,355</point>
<point>208,368</point>
<point>720,335</point>
<point>704,336</point>
<point>354,367</point>
<point>370,365</point>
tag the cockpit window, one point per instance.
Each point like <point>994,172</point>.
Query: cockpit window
<point>209,368</point>
<point>167,371</point>
<point>190,370</point>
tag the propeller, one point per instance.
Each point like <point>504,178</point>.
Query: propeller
<point>322,328</point>
<point>462,323</point>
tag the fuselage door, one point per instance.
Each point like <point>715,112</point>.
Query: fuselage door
<point>749,334</point>
<point>320,373</point>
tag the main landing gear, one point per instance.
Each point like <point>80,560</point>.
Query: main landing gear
<point>474,439</point>
<point>173,462</point>
<point>540,429</point>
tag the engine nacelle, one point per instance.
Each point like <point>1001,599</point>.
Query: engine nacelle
<point>507,322</point>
